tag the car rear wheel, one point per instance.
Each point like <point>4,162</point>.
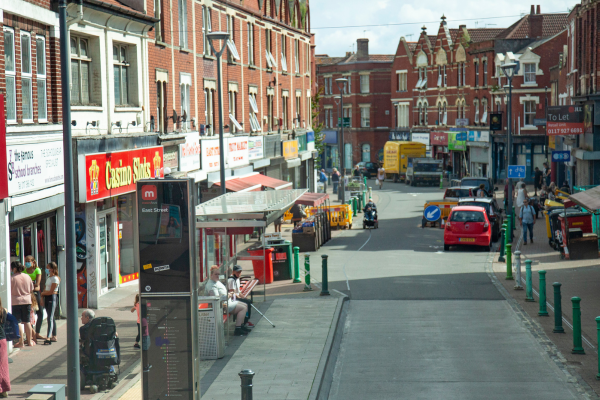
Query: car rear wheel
<point>446,247</point>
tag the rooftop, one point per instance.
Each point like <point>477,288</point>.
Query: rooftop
<point>552,24</point>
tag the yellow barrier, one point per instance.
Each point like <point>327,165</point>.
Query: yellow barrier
<point>339,215</point>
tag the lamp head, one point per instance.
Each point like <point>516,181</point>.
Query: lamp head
<point>217,36</point>
<point>341,82</point>
<point>509,69</point>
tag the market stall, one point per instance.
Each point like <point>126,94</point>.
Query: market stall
<point>315,229</point>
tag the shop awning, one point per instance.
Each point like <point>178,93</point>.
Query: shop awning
<point>330,137</point>
<point>312,199</point>
<point>270,201</point>
<point>589,199</point>
<point>240,185</point>
<point>268,182</point>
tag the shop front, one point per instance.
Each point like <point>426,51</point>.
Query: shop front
<point>459,156</point>
<point>478,144</point>
<point>291,170</point>
<point>330,157</point>
<point>423,137</point>
<point>106,215</point>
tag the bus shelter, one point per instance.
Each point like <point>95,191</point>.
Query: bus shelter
<point>229,231</point>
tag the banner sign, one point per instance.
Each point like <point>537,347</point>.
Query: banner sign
<point>237,151</point>
<point>210,155</point>
<point>290,149</point>
<point>478,136</point>
<point>454,144</point>
<point>565,120</point>
<point>439,138</point>
<point>561,156</point>
<point>34,166</point>
<point>462,121</point>
<point>495,121</point>
<point>3,160</point>
<point>310,136</point>
<point>189,153</point>
<point>421,138</point>
<point>256,147</point>
<point>112,174</point>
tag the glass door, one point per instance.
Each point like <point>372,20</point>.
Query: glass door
<point>104,253</point>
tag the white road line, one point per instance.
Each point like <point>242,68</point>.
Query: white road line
<point>364,244</point>
<point>347,283</point>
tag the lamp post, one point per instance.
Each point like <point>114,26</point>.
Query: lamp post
<point>509,71</point>
<point>211,37</point>
<point>337,100</point>
<point>341,84</point>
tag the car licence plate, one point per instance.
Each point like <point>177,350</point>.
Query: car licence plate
<point>469,240</point>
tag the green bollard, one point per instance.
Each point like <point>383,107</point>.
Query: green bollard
<point>509,276</point>
<point>325,284</point>
<point>508,236</point>
<point>528,282</point>
<point>442,181</point>
<point>307,286</point>
<point>296,265</point>
<point>543,311</point>
<point>502,243</point>
<point>354,206</point>
<point>558,328</point>
<point>365,180</point>
<point>598,329</point>
<point>360,205</point>
<point>577,341</point>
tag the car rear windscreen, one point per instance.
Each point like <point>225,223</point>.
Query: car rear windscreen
<point>477,204</point>
<point>458,193</point>
<point>467,216</point>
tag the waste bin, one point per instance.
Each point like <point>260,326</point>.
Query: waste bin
<point>259,265</point>
<point>282,261</point>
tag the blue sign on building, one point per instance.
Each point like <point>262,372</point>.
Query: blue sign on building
<point>516,171</point>
<point>461,136</point>
<point>432,213</point>
<point>561,156</point>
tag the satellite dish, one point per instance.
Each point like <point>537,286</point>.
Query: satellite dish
<point>174,116</point>
<point>184,116</point>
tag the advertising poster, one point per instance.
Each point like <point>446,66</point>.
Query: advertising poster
<point>170,222</point>
<point>290,149</point>
<point>189,153</point>
<point>456,145</point>
<point>256,147</point>
<point>237,151</point>
<point>565,120</point>
<point>81,255</point>
<point>34,166</point>
<point>439,138</point>
<point>210,155</point>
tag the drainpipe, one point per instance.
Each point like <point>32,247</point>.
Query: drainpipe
<point>79,17</point>
<point>109,108</point>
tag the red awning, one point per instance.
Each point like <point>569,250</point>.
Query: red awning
<point>240,185</point>
<point>268,182</point>
<point>312,199</point>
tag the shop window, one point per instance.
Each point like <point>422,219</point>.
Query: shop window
<point>125,210</point>
<point>41,78</point>
<point>81,71</point>
<point>366,152</point>
<point>16,245</point>
<point>26,87</point>
<point>40,255</point>
<point>10,75</point>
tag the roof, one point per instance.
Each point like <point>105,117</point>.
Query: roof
<point>267,182</point>
<point>121,7</point>
<point>483,34</point>
<point>249,202</point>
<point>326,60</point>
<point>313,199</point>
<point>588,199</point>
<point>551,25</point>
<point>240,185</point>
<point>372,58</point>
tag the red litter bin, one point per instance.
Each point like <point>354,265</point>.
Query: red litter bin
<point>258,265</point>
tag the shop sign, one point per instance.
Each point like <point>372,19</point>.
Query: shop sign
<point>421,138</point>
<point>189,153</point>
<point>3,159</point>
<point>170,158</point>
<point>454,144</point>
<point>439,138</point>
<point>112,174</point>
<point>34,166</point>
<point>256,147</point>
<point>237,151</point>
<point>290,149</point>
<point>565,120</point>
<point>495,121</point>
<point>462,121</point>
<point>478,136</point>
<point>210,155</point>
<point>310,136</point>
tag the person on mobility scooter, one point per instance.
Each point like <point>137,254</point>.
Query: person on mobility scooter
<point>370,215</point>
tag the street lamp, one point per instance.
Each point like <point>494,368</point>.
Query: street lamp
<point>224,36</point>
<point>509,71</point>
<point>341,84</point>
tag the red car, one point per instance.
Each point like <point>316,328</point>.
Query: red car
<point>468,225</point>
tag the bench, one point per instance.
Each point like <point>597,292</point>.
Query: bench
<point>247,284</point>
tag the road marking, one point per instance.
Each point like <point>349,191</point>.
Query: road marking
<point>347,283</point>
<point>361,247</point>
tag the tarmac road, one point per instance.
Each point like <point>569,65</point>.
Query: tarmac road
<point>423,323</point>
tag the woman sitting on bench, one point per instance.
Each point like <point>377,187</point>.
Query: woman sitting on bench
<point>214,287</point>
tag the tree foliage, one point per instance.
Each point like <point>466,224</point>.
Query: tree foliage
<point>317,126</point>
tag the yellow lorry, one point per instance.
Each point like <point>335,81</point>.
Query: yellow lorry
<point>396,155</point>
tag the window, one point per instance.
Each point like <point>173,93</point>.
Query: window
<point>439,82</point>
<point>484,105</point>
<point>268,49</point>
<point>402,115</point>
<point>232,53</point>
<point>40,46</point>
<point>284,53</point>
<point>26,80</point>
<point>250,44</point>
<point>366,152</point>
<point>499,75</point>
<point>464,74</point>
<point>307,58</point>
<point>364,83</point>
<point>284,112</point>
<point>458,109</point>
<point>530,73</point>
<point>183,34</point>
<point>298,109</point>
<point>440,114</point>
<point>209,110</point>
<point>235,125</point>
<point>459,75</point>
<point>10,75</point>
<point>476,104</point>
<point>184,86</point>
<point>402,79</point>
<point>485,73</point>
<point>425,106</point>
<point>121,75</point>
<point>206,29</point>
<point>158,27</point>
<point>529,106</point>
<point>254,121</point>
<point>161,105</point>
<point>328,117</point>
<point>421,109</point>
<point>365,117</point>
<point>445,113</point>
<point>270,112</point>
<point>347,84</point>
<point>81,71</point>
<point>297,55</point>
<point>348,114</point>
<point>476,65</point>
<point>445,77</point>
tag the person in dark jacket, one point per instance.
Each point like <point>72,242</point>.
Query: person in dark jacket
<point>335,179</point>
<point>298,213</point>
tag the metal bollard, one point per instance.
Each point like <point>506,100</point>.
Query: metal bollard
<point>354,206</point>
<point>528,282</point>
<point>442,181</point>
<point>558,328</point>
<point>513,218</point>
<point>360,204</point>
<point>365,180</point>
<point>507,237</point>
<point>502,243</point>
<point>509,276</point>
<point>325,284</point>
<point>577,341</point>
<point>296,265</point>
<point>518,285</point>
<point>246,376</point>
<point>543,311</point>
<point>598,329</point>
<point>307,286</point>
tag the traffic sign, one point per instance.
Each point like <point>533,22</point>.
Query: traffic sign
<point>516,171</point>
<point>432,213</point>
<point>561,156</point>
<point>461,136</point>
<point>346,122</point>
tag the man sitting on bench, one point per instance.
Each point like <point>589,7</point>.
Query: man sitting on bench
<point>233,284</point>
<point>214,287</point>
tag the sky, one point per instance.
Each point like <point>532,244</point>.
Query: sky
<point>338,23</point>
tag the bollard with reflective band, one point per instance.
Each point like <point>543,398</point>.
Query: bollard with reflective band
<point>502,243</point>
<point>325,284</point>
<point>509,276</point>
<point>307,286</point>
<point>543,311</point>
<point>577,340</point>
<point>558,328</point>
<point>246,376</point>
<point>518,269</point>
<point>528,282</point>
<point>598,329</point>
<point>296,265</point>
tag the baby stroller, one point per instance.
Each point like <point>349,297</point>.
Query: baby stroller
<point>99,354</point>
<point>370,218</point>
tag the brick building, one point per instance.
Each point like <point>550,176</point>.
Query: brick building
<point>366,104</point>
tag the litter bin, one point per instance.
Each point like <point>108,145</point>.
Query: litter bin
<point>282,261</point>
<point>259,265</point>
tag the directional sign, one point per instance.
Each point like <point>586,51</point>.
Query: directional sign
<point>461,136</point>
<point>561,156</point>
<point>346,122</point>
<point>516,171</point>
<point>432,213</point>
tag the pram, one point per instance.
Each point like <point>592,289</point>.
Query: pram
<point>370,218</point>
<point>99,354</point>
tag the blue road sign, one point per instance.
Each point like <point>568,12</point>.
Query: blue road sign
<point>432,213</point>
<point>516,171</point>
<point>461,136</point>
<point>561,156</point>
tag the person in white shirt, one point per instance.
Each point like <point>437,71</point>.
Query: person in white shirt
<point>381,176</point>
<point>214,287</point>
<point>521,196</point>
<point>233,284</point>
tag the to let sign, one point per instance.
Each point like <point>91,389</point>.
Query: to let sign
<point>237,151</point>
<point>290,149</point>
<point>565,120</point>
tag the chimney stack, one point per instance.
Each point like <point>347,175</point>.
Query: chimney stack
<point>532,9</point>
<point>362,49</point>
<point>536,24</point>
<point>538,9</point>
<point>462,26</point>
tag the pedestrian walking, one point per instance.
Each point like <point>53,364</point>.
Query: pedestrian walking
<point>552,191</point>
<point>277,223</point>
<point>323,180</point>
<point>565,187</point>
<point>538,180</point>
<point>547,173</point>
<point>50,295</point>
<point>356,171</point>
<point>506,193</point>
<point>380,177</point>
<point>335,179</point>
<point>4,373</point>
<point>521,195</point>
<point>21,289</point>
<point>136,307</point>
<point>527,220</point>
<point>35,273</point>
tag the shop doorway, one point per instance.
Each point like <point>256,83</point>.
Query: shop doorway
<point>107,259</point>
<point>36,237</point>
